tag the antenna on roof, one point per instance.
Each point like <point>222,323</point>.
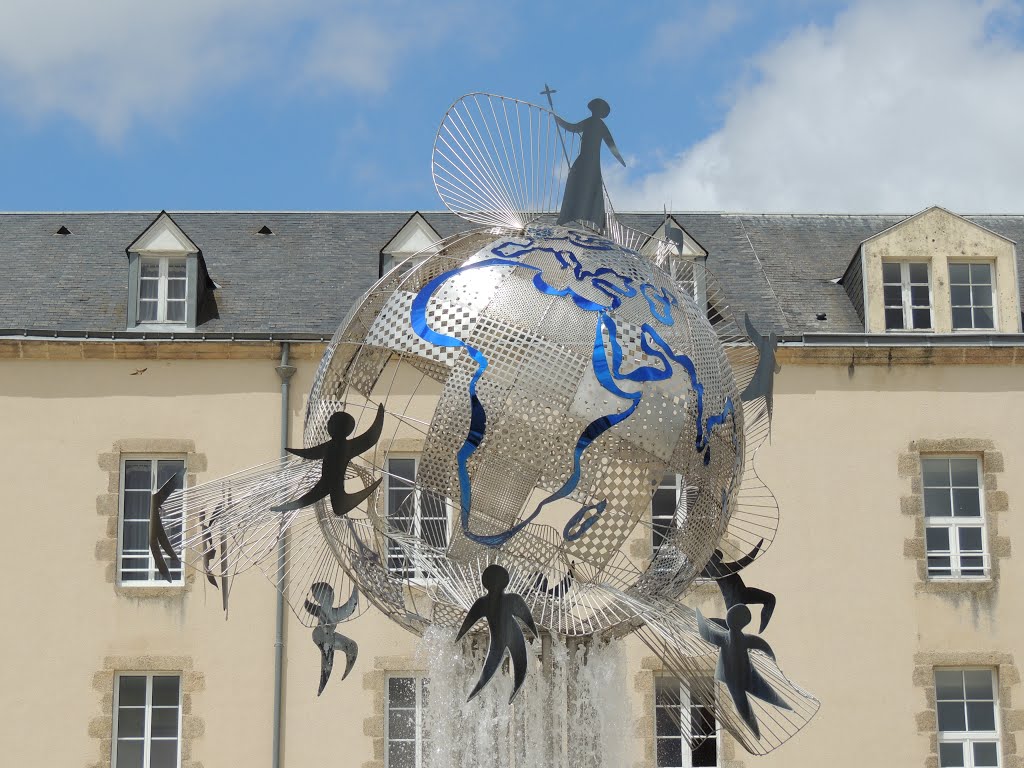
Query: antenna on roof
<point>265,230</point>
<point>63,231</point>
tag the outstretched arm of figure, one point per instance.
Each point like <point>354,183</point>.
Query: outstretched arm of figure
<point>346,609</point>
<point>571,127</point>
<point>312,609</point>
<point>755,643</point>
<point>369,438</point>
<point>475,614</point>
<point>312,496</point>
<point>316,452</point>
<point>615,150</point>
<point>710,632</point>
<point>519,609</point>
<point>744,561</point>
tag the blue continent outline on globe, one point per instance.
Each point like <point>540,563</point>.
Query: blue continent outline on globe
<point>659,301</point>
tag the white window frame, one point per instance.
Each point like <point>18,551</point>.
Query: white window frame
<point>155,579</point>
<point>679,487</point>
<point>419,739</point>
<point>147,735</point>
<point>995,297</point>
<point>418,576</point>
<point>968,738</point>
<point>908,305</point>
<point>686,708</point>
<point>162,298</point>
<point>953,524</point>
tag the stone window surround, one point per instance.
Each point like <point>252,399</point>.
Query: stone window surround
<point>996,502</point>
<point>192,683</point>
<point>645,726</point>
<point>108,505</point>
<point>1011,721</point>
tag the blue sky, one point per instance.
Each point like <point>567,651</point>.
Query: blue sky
<point>774,106</point>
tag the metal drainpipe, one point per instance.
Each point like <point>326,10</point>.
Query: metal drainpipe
<point>285,372</point>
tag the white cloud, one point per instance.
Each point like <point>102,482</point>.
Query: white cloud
<point>108,64</point>
<point>894,107</point>
<point>693,30</point>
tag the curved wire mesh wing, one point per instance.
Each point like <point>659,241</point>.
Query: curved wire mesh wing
<point>500,161</point>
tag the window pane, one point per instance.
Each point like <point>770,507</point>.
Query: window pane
<point>402,754</point>
<point>131,691</point>
<point>148,289</point>
<point>135,537</point>
<point>136,505</point>
<point>402,469</point>
<point>936,472</point>
<point>176,270</point>
<point>434,532</point>
<point>951,755</point>
<point>984,317</point>
<point>401,692</point>
<point>978,684</point>
<point>165,722</point>
<point>131,722</point>
<point>959,273</point>
<point>918,272</point>
<point>985,755</point>
<point>176,289</point>
<point>670,752</point>
<point>966,502</point>
<point>922,318</point>
<point>949,684</point>
<point>951,716</point>
<point>982,295</point>
<point>402,724</point>
<point>705,754</point>
<point>894,318</point>
<point>936,502</point>
<point>176,311</point>
<point>166,469</point>
<point>147,311</point>
<point>962,318</point>
<point>666,723</point>
<point>964,472</point>
<point>129,754</point>
<point>893,296</point>
<point>165,690</point>
<point>937,539</point>
<point>163,754</point>
<point>891,272</point>
<point>980,716</point>
<point>919,295</point>
<point>970,541</point>
<point>960,295</point>
<point>137,474</point>
<point>981,273</point>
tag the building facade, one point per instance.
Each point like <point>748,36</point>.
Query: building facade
<point>137,346</point>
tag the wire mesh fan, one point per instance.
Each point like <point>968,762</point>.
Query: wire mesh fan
<point>499,161</point>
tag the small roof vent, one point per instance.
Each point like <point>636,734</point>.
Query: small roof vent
<point>63,231</point>
<point>821,316</point>
<point>265,230</point>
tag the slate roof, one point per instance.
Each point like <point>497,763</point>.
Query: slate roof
<point>303,278</point>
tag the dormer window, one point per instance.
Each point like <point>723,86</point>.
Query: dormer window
<point>169,288</point>
<point>907,291</point>
<point>415,241</point>
<point>163,290</point>
<point>971,291</point>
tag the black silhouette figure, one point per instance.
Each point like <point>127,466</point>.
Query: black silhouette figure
<point>500,611</point>
<point>584,188</point>
<point>324,635</point>
<point>734,591</point>
<point>336,454</point>
<point>159,544</point>
<point>540,584</point>
<point>763,381</point>
<point>734,667</point>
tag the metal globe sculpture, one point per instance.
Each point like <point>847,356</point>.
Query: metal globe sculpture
<point>548,378</point>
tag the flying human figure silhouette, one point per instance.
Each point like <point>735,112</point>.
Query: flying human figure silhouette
<point>733,590</point>
<point>159,544</point>
<point>336,454</point>
<point>763,380</point>
<point>500,611</point>
<point>734,667</point>
<point>324,635</point>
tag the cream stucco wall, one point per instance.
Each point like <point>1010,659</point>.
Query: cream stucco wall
<point>850,625</point>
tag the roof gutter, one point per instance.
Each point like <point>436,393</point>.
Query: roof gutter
<point>904,340</point>
<point>140,336</point>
